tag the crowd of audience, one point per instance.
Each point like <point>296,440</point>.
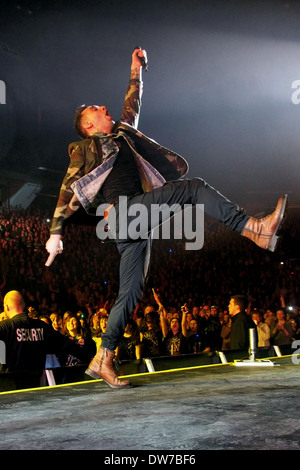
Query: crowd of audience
<point>184,308</point>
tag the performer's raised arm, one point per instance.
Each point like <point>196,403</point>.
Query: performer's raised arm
<point>132,102</point>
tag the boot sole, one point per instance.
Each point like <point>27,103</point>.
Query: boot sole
<point>92,374</point>
<point>117,387</point>
<point>283,212</point>
<point>96,376</point>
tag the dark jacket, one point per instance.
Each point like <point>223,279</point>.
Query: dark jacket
<point>239,335</point>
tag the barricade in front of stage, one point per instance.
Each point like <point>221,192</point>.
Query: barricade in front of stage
<point>76,373</point>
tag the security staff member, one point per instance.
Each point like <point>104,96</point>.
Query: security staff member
<point>241,323</point>
<point>28,341</point>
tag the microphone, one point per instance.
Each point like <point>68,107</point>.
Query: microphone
<point>143,61</point>
<point>50,259</point>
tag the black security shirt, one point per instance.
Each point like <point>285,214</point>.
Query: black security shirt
<point>27,342</point>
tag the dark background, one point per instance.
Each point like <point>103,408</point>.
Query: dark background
<point>218,90</point>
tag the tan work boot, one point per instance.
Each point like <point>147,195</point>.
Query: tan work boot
<point>102,367</point>
<point>263,231</point>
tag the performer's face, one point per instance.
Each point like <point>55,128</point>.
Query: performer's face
<point>96,119</point>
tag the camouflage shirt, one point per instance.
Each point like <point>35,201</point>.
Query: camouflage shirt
<point>92,159</point>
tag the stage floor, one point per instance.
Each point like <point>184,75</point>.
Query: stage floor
<point>219,407</point>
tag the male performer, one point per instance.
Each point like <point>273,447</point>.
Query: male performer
<point>114,159</point>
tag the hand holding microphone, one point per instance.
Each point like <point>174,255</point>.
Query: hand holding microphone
<point>142,57</point>
<point>54,246</point>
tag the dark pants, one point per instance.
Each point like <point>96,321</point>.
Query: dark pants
<point>135,253</point>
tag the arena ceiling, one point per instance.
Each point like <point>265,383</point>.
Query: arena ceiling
<point>222,86</point>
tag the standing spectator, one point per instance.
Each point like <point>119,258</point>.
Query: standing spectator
<point>213,328</point>
<point>282,332</point>
<point>193,337</point>
<point>205,311</point>
<point>151,336</point>
<point>56,321</point>
<point>175,341</point>
<point>75,332</point>
<point>95,329</point>
<point>74,329</point>
<point>129,347</point>
<point>190,330</point>
<point>103,323</point>
<point>240,323</point>
<point>195,312</point>
<point>225,332</point>
<point>263,330</point>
